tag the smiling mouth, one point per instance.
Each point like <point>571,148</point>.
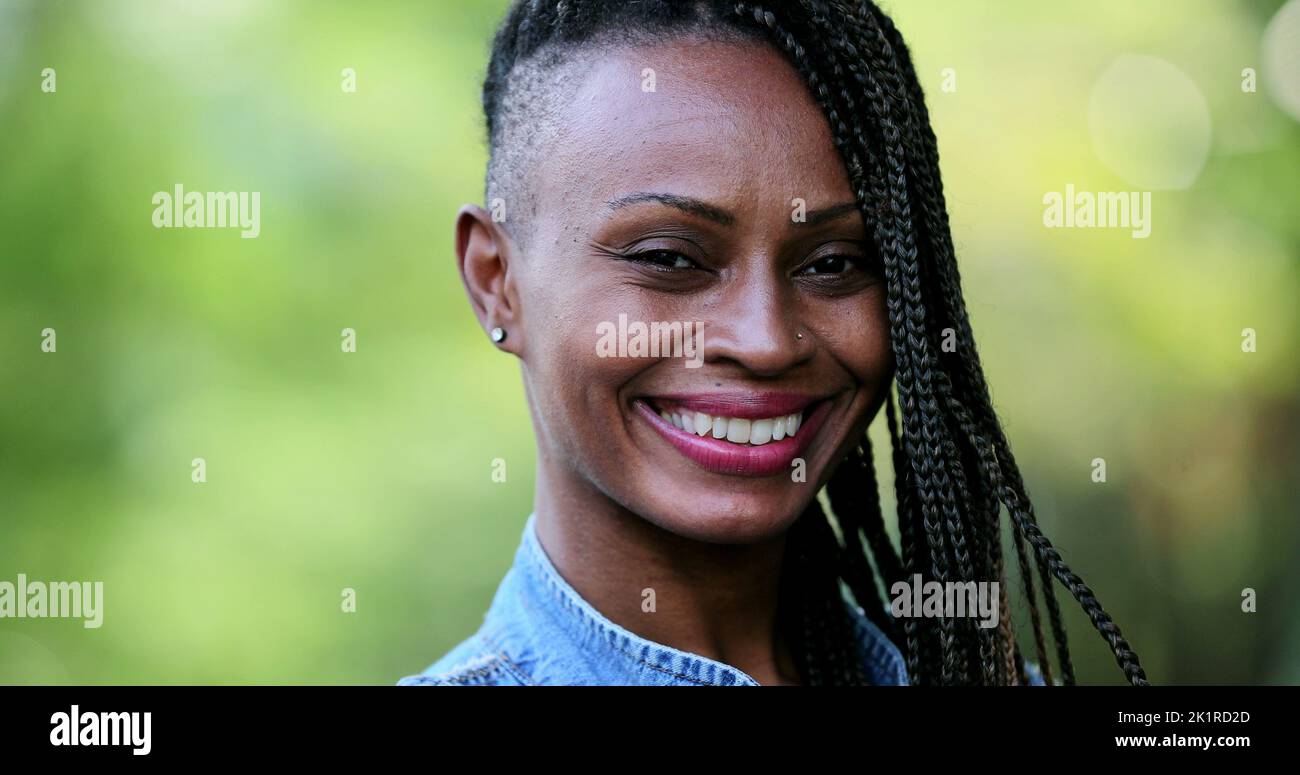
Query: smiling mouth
<point>736,434</point>
<point>736,430</point>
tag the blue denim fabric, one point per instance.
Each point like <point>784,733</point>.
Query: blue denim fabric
<point>538,630</point>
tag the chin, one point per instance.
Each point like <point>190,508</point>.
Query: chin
<point>730,517</point>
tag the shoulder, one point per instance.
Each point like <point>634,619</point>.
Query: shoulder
<point>473,662</point>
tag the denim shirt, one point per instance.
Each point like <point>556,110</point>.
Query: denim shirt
<point>538,630</point>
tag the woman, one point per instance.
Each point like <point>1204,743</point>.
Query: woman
<point>770,173</point>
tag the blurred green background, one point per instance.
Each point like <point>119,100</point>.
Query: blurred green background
<point>371,470</point>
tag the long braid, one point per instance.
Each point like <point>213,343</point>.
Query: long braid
<point>916,639</point>
<point>825,627</point>
<point>860,520</point>
<point>943,247</point>
<point>973,497</point>
<point>936,222</point>
<point>1123,653</point>
<point>846,487</point>
<point>953,469</point>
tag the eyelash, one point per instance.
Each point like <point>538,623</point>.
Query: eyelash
<point>646,257</point>
<point>855,261</point>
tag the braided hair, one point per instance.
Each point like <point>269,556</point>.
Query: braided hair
<point>953,468</point>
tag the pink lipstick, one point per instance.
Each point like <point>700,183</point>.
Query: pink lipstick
<point>741,434</point>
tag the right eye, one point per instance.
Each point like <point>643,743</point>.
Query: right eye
<point>666,260</point>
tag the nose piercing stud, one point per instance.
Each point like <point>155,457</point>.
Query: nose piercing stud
<point>798,336</point>
<point>498,334</point>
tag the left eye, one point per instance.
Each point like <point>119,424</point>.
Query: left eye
<point>830,265</point>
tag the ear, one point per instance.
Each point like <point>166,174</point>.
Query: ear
<point>484,254</point>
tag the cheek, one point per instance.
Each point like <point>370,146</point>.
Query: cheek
<point>575,389</point>
<point>857,336</point>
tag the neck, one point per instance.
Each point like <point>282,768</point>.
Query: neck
<point>717,601</point>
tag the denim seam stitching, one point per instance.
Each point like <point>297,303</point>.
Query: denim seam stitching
<point>461,676</point>
<point>507,663</point>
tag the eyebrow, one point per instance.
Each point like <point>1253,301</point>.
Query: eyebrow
<point>827,214</point>
<point>716,214</point>
<point>684,203</point>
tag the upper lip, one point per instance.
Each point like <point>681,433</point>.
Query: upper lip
<point>746,405</point>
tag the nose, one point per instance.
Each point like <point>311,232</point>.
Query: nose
<point>754,323</point>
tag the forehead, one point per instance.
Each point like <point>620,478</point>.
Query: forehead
<point>730,122</point>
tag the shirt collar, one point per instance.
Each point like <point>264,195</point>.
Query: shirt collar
<point>596,650</point>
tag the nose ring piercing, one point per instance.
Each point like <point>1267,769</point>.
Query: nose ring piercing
<point>498,334</point>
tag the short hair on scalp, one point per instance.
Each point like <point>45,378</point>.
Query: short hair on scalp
<point>532,76</point>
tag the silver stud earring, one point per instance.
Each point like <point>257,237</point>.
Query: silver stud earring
<point>798,336</point>
<point>498,334</point>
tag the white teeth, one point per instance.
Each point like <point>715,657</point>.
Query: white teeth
<point>738,431</point>
<point>719,427</point>
<point>734,429</point>
<point>703,423</point>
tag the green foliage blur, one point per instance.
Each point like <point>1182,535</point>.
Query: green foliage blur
<point>371,470</point>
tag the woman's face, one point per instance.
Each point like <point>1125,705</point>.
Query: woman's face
<point>681,204</point>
